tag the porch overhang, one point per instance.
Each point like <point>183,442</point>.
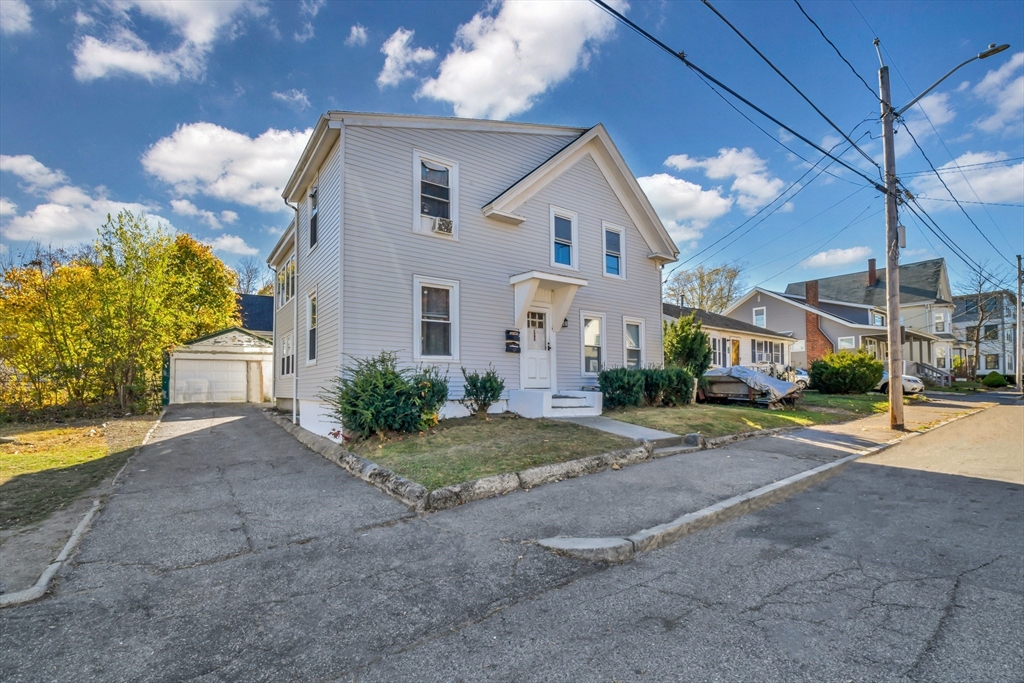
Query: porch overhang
<point>563,289</point>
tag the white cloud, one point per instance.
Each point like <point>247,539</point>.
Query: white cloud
<point>36,176</point>
<point>357,36</point>
<point>184,207</point>
<point>70,214</point>
<point>308,9</point>
<point>937,108</point>
<point>198,24</point>
<point>232,244</point>
<point>399,58</point>
<point>294,98</point>
<point>500,64</point>
<point>684,207</point>
<point>1006,93</point>
<point>203,158</point>
<point>837,257</point>
<point>993,184</point>
<point>753,185</point>
<point>7,207</point>
<point>15,17</point>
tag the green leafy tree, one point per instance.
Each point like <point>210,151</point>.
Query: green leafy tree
<point>687,345</point>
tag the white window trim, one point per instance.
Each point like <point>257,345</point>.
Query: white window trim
<point>839,344</point>
<point>643,340</point>
<point>764,311</point>
<point>287,345</point>
<point>310,295</point>
<point>604,342</point>
<point>453,167</point>
<point>574,217</point>
<point>284,271</point>
<point>418,282</point>
<point>605,227</point>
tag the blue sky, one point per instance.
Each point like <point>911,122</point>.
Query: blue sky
<point>195,112</point>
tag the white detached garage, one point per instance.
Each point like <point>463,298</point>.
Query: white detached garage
<point>229,366</point>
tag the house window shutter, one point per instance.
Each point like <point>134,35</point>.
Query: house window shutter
<point>753,351</point>
<point>782,352</point>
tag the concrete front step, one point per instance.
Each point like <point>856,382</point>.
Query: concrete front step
<point>560,401</point>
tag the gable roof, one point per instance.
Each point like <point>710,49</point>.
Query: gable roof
<point>207,337</point>
<point>257,312</point>
<point>799,304</point>
<point>920,282</point>
<point>598,144</point>
<point>719,322</point>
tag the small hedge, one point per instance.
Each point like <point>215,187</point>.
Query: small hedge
<point>482,391</point>
<point>994,380</point>
<point>846,372</point>
<point>623,387</point>
<point>374,396</point>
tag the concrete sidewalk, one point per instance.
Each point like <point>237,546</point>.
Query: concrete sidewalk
<point>618,503</point>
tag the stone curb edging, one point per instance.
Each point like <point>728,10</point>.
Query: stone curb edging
<point>43,584</point>
<point>622,549</point>
<point>416,496</point>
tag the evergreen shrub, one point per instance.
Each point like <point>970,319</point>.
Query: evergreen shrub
<point>621,387</point>
<point>846,372</point>
<point>994,380</point>
<point>482,391</point>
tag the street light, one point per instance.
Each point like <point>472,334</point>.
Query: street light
<point>892,249</point>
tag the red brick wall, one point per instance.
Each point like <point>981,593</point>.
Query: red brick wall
<point>818,345</point>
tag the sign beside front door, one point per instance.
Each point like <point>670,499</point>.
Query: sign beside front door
<point>536,351</point>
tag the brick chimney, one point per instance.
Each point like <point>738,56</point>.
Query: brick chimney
<point>817,343</point>
<point>872,273</point>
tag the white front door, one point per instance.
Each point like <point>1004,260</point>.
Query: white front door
<point>536,350</point>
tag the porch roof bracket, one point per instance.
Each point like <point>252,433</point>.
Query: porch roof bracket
<point>560,303</point>
<point>525,292</point>
<point>563,288</point>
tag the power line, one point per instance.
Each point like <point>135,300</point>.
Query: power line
<point>855,73</point>
<point>961,167</point>
<point>962,209</point>
<point>967,201</point>
<point>783,76</point>
<point>681,56</point>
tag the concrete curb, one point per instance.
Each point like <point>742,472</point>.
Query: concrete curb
<point>623,549</point>
<point>43,584</point>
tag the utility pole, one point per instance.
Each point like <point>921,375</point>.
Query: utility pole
<point>1019,346</point>
<point>892,254</point>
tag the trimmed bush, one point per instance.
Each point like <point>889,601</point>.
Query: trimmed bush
<point>994,380</point>
<point>687,345</point>
<point>482,391</point>
<point>846,372</point>
<point>678,387</point>
<point>621,387</point>
<point>656,380</point>
<point>373,396</point>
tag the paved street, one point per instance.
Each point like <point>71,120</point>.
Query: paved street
<point>233,553</point>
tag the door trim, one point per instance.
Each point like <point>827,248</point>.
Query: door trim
<point>552,353</point>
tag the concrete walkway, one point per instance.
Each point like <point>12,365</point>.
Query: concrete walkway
<point>659,438</point>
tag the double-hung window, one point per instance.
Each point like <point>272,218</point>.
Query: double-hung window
<point>435,190</point>
<point>313,213</point>
<point>992,361</point>
<point>287,355</point>
<point>286,283</point>
<point>633,337</point>
<point>436,310</point>
<point>614,251</point>
<point>760,318</point>
<point>593,343</point>
<point>877,319</point>
<point>436,196</point>
<point>311,327</point>
<point>940,322</point>
<point>564,239</point>
<point>716,351</point>
<point>991,332</point>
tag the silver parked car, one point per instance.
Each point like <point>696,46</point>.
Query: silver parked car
<point>911,384</point>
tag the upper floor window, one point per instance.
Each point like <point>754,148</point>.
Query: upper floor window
<point>286,282</point>
<point>614,254</point>
<point>436,311</point>
<point>877,319</point>
<point>311,327</point>
<point>940,322</point>
<point>313,218</point>
<point>991,332</point>
<point>760,317</point>
<point>564,239</point>
<point>634,343</point>
<point>436,196</point>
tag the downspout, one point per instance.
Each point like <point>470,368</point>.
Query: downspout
<point>273,326</point>
<point>295,315</point>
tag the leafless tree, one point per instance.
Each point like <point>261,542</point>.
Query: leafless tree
<point>983,291</point>
<point>711,289</point>
<point>252,275</point>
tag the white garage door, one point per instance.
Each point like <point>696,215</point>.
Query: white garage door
<point>209,381</point>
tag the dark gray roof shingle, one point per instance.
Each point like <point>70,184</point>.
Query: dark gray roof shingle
<point>919,282</point>
<point>257,312</point>
<point>707,319</point>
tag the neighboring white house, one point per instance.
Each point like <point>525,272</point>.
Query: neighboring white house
<point>998,331</point>
<point>734,342</point>
<point>465,243</point>
<point>232,365</point>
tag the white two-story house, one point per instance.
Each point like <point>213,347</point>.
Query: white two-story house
<point>465,243</point>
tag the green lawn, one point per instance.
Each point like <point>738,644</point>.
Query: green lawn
<point>960,388</point>
<point>860,404</point>
<point>467,448</point>
<point>718,420</point>
<point>51,466</point>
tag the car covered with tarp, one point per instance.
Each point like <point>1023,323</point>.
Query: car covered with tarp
<point>740,383</point>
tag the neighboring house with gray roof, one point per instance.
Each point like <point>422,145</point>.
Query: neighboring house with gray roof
<point>734,342</point>
<point>996,327</point>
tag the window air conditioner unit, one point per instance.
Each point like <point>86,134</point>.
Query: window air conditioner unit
<point>444,226</point>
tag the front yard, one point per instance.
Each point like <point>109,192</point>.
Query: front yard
<point>49,466</point>
<point>465,449</point>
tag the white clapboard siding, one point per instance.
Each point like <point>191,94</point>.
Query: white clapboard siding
<point>284,322</point>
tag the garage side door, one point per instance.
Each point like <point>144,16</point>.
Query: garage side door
<point>209,381</point>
